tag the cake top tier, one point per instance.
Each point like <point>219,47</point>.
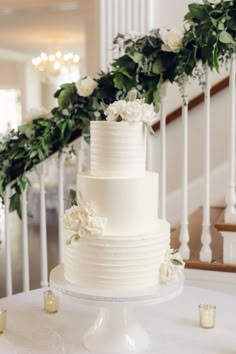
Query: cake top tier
<point>118,149</point>
<point>118,145</point>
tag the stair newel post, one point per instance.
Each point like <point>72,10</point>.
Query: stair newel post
<point>230,212</point>
<point>25,242</point>
<point>184,232</point>
<point>61,161</point>
<point>8,243</point>
<point>163,151</point>
<point>43,228</point>
<point>206,252</point>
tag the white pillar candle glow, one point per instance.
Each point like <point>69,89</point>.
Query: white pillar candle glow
<point>2,320</point>
<point>207,315</point>
<point>50,302</point>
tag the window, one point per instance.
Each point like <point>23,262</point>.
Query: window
<point>10,109</point>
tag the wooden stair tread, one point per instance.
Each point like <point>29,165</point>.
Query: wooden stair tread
<point>225,227</point>
<point>213,266</point>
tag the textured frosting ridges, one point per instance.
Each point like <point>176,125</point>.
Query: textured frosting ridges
<point>118,262</point>
<point>117,149</point>
<point>129,204</point>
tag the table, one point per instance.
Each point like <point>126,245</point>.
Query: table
<point>173,326</point>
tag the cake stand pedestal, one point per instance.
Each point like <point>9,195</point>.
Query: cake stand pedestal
<point>116,329</point>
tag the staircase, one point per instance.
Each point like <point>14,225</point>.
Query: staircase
<point>217,225</point>
<point>26,267</point>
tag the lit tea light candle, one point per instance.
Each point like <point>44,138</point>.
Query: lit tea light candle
<point>50,302</point>
<point>207,315</point>
<point>3,313</point>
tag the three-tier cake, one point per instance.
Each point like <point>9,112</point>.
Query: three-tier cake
<point>113,238</point>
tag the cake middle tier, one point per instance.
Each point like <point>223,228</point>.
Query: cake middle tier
<point>129,204</point>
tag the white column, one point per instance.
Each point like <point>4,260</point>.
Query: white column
<point>25,242</point>
<point>230,212</point>
<point>43,229</point>
<point>61,204</point>
<point>8,243</point>
<point>163,152</point>
<point>184,233</point>
<point>206,253</point>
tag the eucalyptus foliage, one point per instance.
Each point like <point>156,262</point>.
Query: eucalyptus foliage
<point>209,37</point>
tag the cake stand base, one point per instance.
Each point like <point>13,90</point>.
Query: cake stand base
<point>116,329</point>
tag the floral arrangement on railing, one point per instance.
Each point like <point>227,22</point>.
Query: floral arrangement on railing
<point>147,61</point>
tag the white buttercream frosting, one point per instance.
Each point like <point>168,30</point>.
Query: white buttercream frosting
<point>117,149</point>
<point>118,261</point>
<point>130,251</point>
<point>129,204</point>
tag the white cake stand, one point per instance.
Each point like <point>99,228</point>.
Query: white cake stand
<point>116,330</point>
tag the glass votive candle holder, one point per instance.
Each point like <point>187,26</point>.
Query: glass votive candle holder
<point>50,302</point>
<point>207,315</point>
<point>3,315</point>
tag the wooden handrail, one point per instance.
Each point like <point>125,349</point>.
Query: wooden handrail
<point>194,102</point>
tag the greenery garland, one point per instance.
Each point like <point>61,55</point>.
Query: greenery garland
<point>209,36</point>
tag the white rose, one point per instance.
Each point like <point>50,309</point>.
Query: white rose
<point>85,87</point>
<point>71,219</point>
<point>169,273</point>
<point>115,110</point>
<point>214,2</point>
<point>148,113</point>
<point>35,113</point>
<point>172,40</point>
<point>133,112</point>
<point>95,225</point>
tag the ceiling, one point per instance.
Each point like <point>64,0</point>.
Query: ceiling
<point>30,28</point>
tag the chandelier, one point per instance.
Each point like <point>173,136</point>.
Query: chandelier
<point>56,64</point>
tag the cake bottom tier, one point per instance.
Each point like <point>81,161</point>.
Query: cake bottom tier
<point>117,262</point>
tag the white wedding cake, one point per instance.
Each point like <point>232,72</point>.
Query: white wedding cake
<point>113,237</point>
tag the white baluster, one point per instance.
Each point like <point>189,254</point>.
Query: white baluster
<point>109,34</point>
<point>136,10</point>
<point>8,243</point>
<point>142,18</point>
<point>43,229</point>
<point>230,212</point>
<point>25,243</point>
<point>103,29</point>
<point>184,233</point>
<point>129,12</point>
<point>163,152</point>
<point>122,17</point>
<point>206,253</point>
<point>61,204</point>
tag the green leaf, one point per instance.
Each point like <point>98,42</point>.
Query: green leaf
<point>198,11</point>
<point>27,129</point>
<point>226,38</point>
<point>40,155</point>
<point>176,262</point>
<point>136,57</point>
<point>15,204</point>
<point>119,81</point>
<point>156,100</point>
<point>157,67</point>
<point>232,24</point>
<point>221,26</point>
<point>72,194</point>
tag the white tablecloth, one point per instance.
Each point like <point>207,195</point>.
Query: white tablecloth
<point>173,326</point>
